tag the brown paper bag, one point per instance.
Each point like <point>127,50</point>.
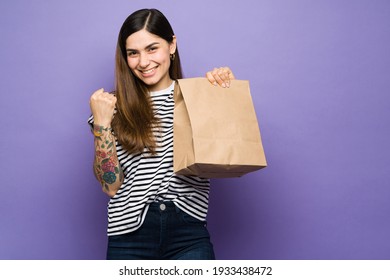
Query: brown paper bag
<point>216,133</point>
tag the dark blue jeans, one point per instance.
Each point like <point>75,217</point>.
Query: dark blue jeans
<point>167,233</point>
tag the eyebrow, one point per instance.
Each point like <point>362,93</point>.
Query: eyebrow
<point>148,46</point>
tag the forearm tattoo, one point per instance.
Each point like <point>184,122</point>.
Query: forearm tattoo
<point>106,166</point>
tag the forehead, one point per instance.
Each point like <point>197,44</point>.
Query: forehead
<point>142,39</point>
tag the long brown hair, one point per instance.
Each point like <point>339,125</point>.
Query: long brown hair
<point>134,119</point>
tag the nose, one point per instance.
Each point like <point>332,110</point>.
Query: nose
<point>144,60</point>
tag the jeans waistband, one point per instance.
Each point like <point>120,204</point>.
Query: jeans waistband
<point>163,206</point>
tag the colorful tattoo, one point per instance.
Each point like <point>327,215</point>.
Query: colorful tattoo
<point>98,130</point>
<point>106,166</point>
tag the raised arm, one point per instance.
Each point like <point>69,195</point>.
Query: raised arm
<point>106,166</point>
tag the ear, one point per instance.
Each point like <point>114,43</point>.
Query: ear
<point>172,45</point>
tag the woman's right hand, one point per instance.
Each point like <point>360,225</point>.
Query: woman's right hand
<point>103,107</point>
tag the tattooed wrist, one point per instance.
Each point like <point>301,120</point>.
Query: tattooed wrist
<point>98,130</point>
<point>106,166</point>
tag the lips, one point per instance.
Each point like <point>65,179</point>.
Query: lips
<point>148,72</point>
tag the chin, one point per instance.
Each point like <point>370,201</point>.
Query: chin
<point>150,83</point>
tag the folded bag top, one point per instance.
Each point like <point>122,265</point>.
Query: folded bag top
<point>216,133</point>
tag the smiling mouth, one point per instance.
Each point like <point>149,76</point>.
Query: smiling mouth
<point>149,71</point>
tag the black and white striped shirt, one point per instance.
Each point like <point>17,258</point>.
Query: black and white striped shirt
<point>151,178</point>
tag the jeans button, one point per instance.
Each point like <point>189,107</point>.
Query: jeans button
<point>162,207</point>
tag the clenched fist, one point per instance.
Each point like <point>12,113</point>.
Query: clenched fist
<point>103,107</point>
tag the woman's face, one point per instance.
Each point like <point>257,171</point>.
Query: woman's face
<point>148,57</point>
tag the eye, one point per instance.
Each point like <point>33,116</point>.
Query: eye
<point>152,49</point>
<point>131,53</point>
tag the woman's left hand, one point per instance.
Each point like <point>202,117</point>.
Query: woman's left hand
<point>220,76</point>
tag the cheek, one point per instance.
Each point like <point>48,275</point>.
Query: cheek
<point>132,63</point>
<point>161,57</point>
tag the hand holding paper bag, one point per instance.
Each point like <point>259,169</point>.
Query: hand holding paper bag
<point>216,133</point>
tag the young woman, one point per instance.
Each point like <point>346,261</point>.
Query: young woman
<point>153,213</point>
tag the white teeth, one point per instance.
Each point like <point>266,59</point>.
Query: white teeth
<point>148,71</point>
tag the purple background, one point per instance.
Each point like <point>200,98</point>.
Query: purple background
<point>319,75</point>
